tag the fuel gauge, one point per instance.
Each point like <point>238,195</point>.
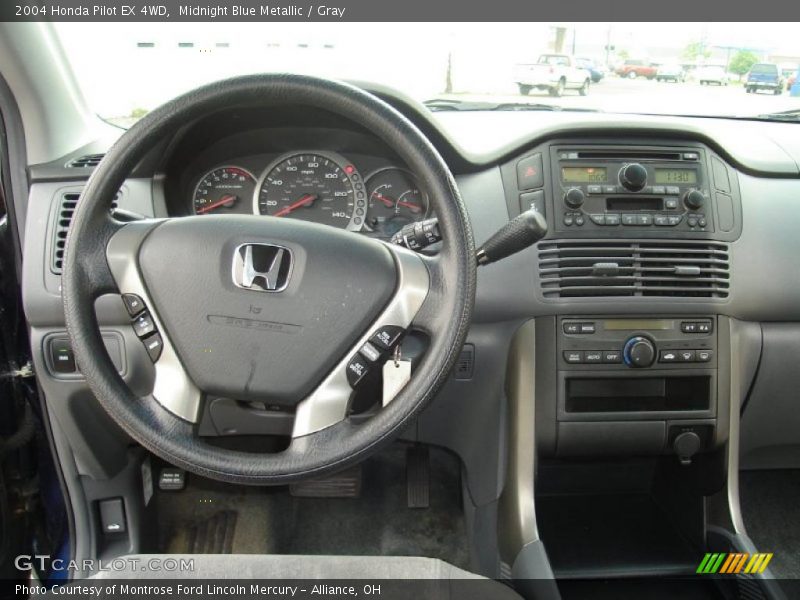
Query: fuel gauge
<point>395,200</point>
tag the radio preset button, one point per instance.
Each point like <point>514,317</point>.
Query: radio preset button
<point>644,219</point>
<point>629,220</point>
<point>612,219</point>
<point>674,220</point>
<point>598,219</point>
<point>661,220</point>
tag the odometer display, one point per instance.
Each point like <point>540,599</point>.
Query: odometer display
<point>311,186</point>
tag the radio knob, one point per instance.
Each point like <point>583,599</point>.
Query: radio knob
<point>633,177</point>
<point>574,197</point>
<point>694,199</point>
<point>639,352</point>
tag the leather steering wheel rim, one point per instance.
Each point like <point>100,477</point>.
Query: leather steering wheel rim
<point>444,315</point>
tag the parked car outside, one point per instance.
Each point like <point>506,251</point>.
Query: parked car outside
<point>637,68</point>
<point>712,74</point>
<point>671,72</point>
<point>554,73</point>
<point>597,72</point>
<point>764,76</point>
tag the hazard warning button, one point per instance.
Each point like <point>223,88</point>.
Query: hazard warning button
<point>529,172</point>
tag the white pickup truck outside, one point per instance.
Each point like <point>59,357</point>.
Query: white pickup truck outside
<point>554,73</point>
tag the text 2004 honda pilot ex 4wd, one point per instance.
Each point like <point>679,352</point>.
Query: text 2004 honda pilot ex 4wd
<point>284,315</point>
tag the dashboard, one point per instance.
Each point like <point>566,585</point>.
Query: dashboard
<point>323,172</point>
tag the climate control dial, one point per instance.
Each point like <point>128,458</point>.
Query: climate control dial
<point>639,352</point>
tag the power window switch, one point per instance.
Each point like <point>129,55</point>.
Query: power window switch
<point>112,516</point>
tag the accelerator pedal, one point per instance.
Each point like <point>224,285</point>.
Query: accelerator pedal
<point>345,484</point>
<point>418,476</point>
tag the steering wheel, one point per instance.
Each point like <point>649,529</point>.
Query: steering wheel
<point>257,308</point>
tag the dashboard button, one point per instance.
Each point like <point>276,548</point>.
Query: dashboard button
<point>674,190</point>
<point>659,189</point>
<point>598,219</point>
<point>529,172</point>
<point>386,337</point>
<point>704,327</point>
<point>686,355</point>
<point>154,344</point>
<point>532,201</point>
<point>702,222</point>
<point>133,304</point>
<point>579,220</point>
<point>357,368</point>
<point>692,222</point>
<point>143,325</point>
<point>629,220</point>
<point>594,189</point>
<point>573,357</point>
<point>587,328</point>
<point>689,327</point>
<point>609,189</point>
<point>644,220</point>
<point>571,328</point>
<point>568,220</point>
<point>661,220</point>
<point>667,356</point>
<point>61,356</point>
<point>612,356</point>
<point>593,356</point>
<point>674,220</point>
<point>671,203</point>
<point>704,355</point>
<point>612,219</point>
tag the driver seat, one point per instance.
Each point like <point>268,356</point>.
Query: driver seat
<point>433,578</point>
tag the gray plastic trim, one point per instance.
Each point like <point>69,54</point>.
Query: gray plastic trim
<point>173,387</point>
<point>327,405</point>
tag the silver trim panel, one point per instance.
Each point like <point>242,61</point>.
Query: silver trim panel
<point>173,388</point>
<point>327,405</point>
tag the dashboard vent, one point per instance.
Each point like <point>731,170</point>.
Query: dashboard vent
<point>66,209</point>
<point>585,269</point>
<point>90,160</point>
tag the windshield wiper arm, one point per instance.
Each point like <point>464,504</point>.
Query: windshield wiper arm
<point>443,104</point>
<point>784,115</point>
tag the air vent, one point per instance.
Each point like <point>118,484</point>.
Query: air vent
<point>90,160</point>
<point>583,269</point>
<point>63,220</point>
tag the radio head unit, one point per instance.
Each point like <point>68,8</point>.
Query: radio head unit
<point>603,190</point>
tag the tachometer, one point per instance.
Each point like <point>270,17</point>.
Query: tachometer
<point>225,189</point>
<point>395,200</point>
<point>313,186</point>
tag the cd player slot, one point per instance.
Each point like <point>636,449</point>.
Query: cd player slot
<point>629,203</point>
<point>629,155</point>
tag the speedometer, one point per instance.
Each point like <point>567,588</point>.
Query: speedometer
<point>313,186</point>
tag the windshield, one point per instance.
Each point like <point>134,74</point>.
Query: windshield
<point>126,70</point>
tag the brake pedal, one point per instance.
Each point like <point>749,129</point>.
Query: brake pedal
<point>418,477</point>
<point>345,484</point>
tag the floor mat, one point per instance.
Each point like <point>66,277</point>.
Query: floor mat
<point>771,511</point>
<point>270,521</point>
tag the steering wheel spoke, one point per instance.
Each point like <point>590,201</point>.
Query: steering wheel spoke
<point>329,403</point>
<point>173,388</point>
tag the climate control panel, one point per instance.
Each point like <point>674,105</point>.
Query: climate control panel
<point>636,343</point>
